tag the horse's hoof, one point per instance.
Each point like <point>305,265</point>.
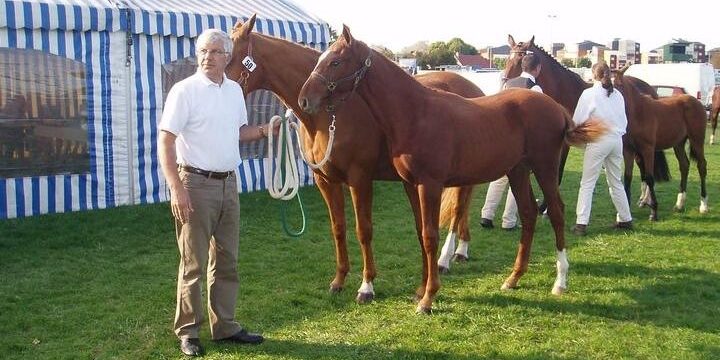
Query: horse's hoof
<point>334,289</point>
<point>507,287</point>
<point>460,258</point>
<point>558,290</point>
<point>443,270</point>
<point>678,209</point>
<point>423,310</point>
<point>364,298</point>
<point>653,218</point>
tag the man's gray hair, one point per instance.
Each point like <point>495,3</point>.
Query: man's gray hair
<point>214,35</point>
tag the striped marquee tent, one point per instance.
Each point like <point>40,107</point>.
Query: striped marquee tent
<point>82,87</point>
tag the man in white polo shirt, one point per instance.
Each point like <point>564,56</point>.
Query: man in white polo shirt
<point>203,118</point>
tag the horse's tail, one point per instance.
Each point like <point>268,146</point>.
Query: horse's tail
<point>450,202</point>
<point>661,171</point>
<point>587,132</point>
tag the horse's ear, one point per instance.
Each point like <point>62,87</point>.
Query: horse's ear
<point>247,27</point>
<point>347,35</point>
<point>511,41</point>
<point>531,42</point>
<point>621,72</point>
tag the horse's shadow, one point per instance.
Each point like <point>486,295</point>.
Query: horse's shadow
<point>681,297</point>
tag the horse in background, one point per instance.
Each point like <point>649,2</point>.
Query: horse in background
<point>714,110</point>
<point>665,123</point>
<point>438,139</point>
<point>282,67</point>
<point>565,86</point>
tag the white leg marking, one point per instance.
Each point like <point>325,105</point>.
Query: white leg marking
<point>446,254</point>
<point>704,205</point>
<point>680,203</point>
<point>462,248</point>
<point>366,288</point>
<point>712,139</point>
<point>562,266</point>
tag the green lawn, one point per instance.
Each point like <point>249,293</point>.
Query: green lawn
<point>102,285</point>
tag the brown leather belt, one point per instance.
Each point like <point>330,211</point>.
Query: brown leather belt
<point>207,174</point>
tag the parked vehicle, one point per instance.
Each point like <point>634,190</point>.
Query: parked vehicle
<point>668,90</point>
<point>698,79</point>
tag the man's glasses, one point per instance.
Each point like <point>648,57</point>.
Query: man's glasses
<point>206,52</point>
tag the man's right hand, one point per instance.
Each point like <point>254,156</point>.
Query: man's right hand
<point>180,204</point>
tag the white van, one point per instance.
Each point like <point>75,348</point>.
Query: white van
<point>698,79</point>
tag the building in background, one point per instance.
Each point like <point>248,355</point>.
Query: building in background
<point>683,51</point>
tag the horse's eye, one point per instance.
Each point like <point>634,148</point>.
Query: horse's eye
<point>335,63</point>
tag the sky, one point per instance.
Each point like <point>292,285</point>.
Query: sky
<point>398,24</point>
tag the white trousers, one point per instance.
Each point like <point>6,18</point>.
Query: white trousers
<point>492,200</point>
<point>608,152</point>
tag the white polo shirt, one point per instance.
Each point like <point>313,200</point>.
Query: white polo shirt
<point>206,118</point>
<point>595,102</point>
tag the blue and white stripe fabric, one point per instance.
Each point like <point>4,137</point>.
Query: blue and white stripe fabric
<point>124,88</point>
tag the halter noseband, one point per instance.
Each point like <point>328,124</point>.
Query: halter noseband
<point>332,85</point>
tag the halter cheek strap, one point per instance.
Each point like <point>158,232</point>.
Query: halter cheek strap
<point>332,85</point>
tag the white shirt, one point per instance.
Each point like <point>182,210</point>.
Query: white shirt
<point>535,87</point>
<point>595,102</point>
<point>206,118</point>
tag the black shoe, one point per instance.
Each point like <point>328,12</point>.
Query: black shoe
<point>191,347</point>
<point>623,225</point>
<point>486,223</point>
<point>510,228</point>
<point>244,337</point>
<point>580,230</point>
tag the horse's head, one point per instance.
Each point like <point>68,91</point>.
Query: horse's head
<point>246,73</point>
<point>513,66</point>
<point>337,74</point>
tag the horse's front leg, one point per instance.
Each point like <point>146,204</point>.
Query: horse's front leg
<point>362,195</point>
<point>648,162</point>
<point>430,193</point>
<point>332,193</point>
<point>629,160</point>
<point>456,201</point>
<point>414,200</point>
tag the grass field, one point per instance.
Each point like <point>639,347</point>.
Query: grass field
<point>101,285</point>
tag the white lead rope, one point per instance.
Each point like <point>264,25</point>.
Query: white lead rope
<point>287,188</point>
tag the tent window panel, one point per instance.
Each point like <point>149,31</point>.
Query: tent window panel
<point>43,115</point>
<point>261,104</point>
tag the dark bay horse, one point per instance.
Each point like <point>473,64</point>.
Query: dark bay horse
<point>714,113</point>
<point>665,123</point>
<point>282,68</point>
<point>566,87</point>
<point>438,139</point>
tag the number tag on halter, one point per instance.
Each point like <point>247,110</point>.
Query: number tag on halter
<point>249,63</point>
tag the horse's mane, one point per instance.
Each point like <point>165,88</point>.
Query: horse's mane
<point>273,39</point>
<point>554,63</point>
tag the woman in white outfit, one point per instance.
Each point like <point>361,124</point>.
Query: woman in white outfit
<point>602,101</point>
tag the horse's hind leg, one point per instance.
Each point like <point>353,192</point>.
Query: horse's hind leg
<point>414,200</point>
<point>362,203</point>
<point>713,122</point>
<point>556,212</point>
<point>697,151</point>
<point>648,161</point>
<point>684,164</point>
<point>519,177</point>
<point>332,193</point>
<point>430,193</point>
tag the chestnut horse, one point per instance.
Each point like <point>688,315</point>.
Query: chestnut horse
<point>713,117</point>
<point>668,123</point>
<point>282,67</point>
<point>438,139</point>
<point>566,87</point>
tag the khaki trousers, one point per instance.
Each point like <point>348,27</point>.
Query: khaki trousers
<point>210,238</point>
